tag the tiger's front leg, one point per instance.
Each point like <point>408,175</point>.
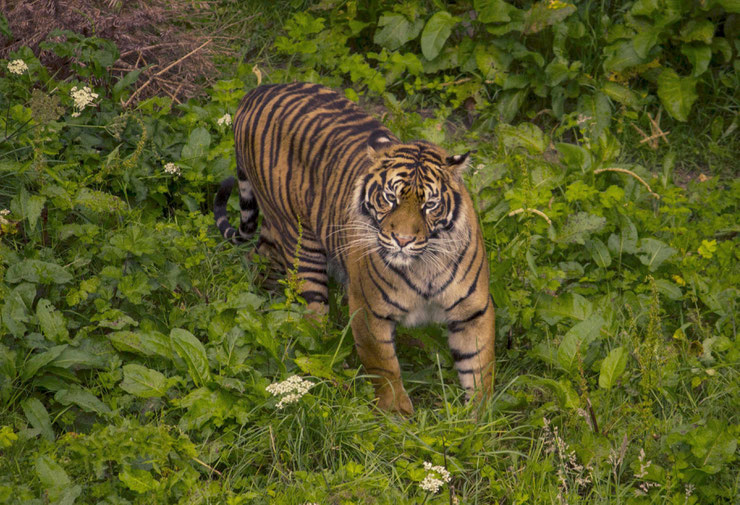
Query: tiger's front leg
<point>471,339</point>
<point>374,340</point>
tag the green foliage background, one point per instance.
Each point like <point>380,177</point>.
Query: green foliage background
<point>135,345</point>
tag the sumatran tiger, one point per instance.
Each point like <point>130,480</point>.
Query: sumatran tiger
<point>391,220</point>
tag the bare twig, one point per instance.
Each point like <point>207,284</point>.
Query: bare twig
<point>629,172</point>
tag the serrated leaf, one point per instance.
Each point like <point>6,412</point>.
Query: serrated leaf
<point>191,350</point>
<point>143,382</point>
<point>677,94</point>
<point>83,399</point>
<point>653,253</point>
<point>395,30</point>
<point>38,417</point>
<point>576,341</point>
<point>436,32</point>
<point>612,367</point>
<point>52,322</point>
<point>579,227</point>
<point>38,272</point>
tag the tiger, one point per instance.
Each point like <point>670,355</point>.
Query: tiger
<point>342,196</point>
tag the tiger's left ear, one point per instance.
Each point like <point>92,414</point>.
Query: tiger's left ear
<point>378,142</point>
<point>458,163</point>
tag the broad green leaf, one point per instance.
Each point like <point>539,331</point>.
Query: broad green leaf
<point>667,288</point>
<point>526,135</point>
<point>566,396</point>
<point>698,30</point>
<point>574,156</point>
<point>576,341</point>
<point>317,365</point>
<point>492,11</point>
<point>579,227</point>
<point>699,56</point>
<point>653,253</point>
<point>80,357</point>
<point>597,108</point>
<point>198,143</point>
<point>436,32</point>
<point>52,322</point>
<point>626,241</point>
<point>395,30</point>
<point>15,309</point>
<point>191,350</point>
<point>554,308</point>
<point>645,40</point>
<point>490,60</point>
<point>145,343</point>
<point>38,272</point>
<point>32,207</point>
<point>677,94</point>
<point>620,56</point>
<point>38,417</point>
<point>599,252</point>
<point>731,6</point>
<point>83,399</point>
<point>510,102</point>
<point>712,445</point>
<point>545,13</point>
<point>52,476</point>
<point>644,7</point>
<point>621,94</point>
<point>143,382</point>
<point>138,480</point>
<point>37,361</point>
<point>612,367</point>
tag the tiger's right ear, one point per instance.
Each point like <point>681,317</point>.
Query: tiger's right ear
<point>378,142</point>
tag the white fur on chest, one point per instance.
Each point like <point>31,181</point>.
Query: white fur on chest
<point>424,313</point>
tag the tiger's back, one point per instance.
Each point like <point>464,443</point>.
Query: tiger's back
<point>394,218</point>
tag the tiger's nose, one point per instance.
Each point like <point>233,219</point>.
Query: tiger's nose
<point>402,240</point>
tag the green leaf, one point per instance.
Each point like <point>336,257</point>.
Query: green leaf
<point>396,30</point>
<point>138,480</point>
<point>143,382</point>
<point>191,350</point>
<point>574,156</point>
<point>654,253</point>
<point>599,252</point>
<point>645,40</point>
<point>526,135</point>
<point>37,271</point>
<point>436,32</point>
<point>699,56</point>
<point>37,361</point>
<point>144,343</point>
<point>698,30</point>
<point>712,445</point>
<point>554,308</point>
<point>579,227</point>
<point>38,417</point>
<point>668,289</point>
<point>731,6</point>
<point>576,341</point>
<point>612,367</point>
<point>626,241</point>
<point>545,13</point>
<point>492,11</point>
<point>620,56</point>
<point>52,476</point>
<point>198,143</point>
<point>15,309</point>
<point>566,396</point>
<point>677,94</point>
<point>317,365</point>
<point>621,94</point>
<point>83,399</point>
<point>52,322</point>
<point>597,108</point>
<point>124,82</point>
<point>510,102</point>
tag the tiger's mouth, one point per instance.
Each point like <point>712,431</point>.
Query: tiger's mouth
<point>401,256</point>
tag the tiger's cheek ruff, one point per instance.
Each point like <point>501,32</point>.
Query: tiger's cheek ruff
<point>392,219</point>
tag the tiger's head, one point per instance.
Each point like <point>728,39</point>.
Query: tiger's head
<point>412,199</point>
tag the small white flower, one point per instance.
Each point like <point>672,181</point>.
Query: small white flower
<point>82,98</point>
<point>172,169</point>
<point>291,390</point>
<point>17,67</point>
<point>435,479</point>
<point>224,120</point>
<point>4,213</point>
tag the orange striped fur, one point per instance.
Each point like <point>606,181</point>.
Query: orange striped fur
<point>391,220</point>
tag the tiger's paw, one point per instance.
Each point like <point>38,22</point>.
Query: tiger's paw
<point>399,402</point>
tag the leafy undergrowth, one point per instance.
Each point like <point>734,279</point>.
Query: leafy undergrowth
<point>137,350</point>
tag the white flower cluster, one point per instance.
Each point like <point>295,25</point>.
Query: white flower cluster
<point>4,213</point>
<point>172,169</point>
<point>290,390</point>
<point>82,98</point>
<point>17,67</point>
<point>435,479</point>
<point>224,120</point>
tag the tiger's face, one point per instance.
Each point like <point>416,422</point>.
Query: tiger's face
<point>411,200</point>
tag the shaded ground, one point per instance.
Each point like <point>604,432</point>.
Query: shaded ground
<point>155,35</point>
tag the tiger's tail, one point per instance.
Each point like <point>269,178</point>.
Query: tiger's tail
<point>248,209</point>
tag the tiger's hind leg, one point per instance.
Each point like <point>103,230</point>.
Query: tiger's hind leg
<point>270,250</point>
<point>309,264</point>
